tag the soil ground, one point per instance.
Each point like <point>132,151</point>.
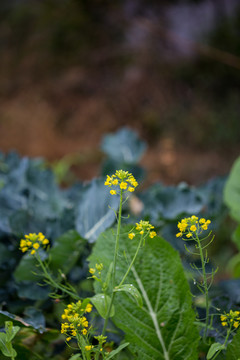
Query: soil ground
<point>50,122</point>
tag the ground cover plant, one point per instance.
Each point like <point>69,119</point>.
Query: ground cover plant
<point>86,276</point>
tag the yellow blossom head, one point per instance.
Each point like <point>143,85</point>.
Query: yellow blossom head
<point>74,319</point>
<point>143,228</point>
<point>32,242</point>
<point>121,181</point>
<point>231,319</point>
<point>192,226</point>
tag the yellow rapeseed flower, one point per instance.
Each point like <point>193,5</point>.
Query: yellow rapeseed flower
<point>121,180</point>
<point>191,226</point>
<point>33,242</point>
<point>88,347</point>
<point>131,235</point>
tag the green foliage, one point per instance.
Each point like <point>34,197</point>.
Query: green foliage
<point>101,303</point>
<point>233,349</point>
<point>164,327</point>
<point>232,191</point>
<point>6,339</point>
<point>65,251</point>
<point>172,202</point>
<point>214,348</point>
<point>94,212</point>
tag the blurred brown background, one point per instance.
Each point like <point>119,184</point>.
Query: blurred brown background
<point>73,70</point>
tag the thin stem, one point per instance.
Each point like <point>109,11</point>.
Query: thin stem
<point>132,262</point>
<point>205,285</point>
<point>114,265</point>
<point>117,240</point>
<point>53,282</point>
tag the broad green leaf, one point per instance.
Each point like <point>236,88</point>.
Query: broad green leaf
<point>101,303</point>
<point>213,349</point>
<point>27,269</point>
<point>232,191</point>
<point>94,212</point>
<point>6,346</point>
<point>116,351</point>
<point>233,349</point>
<point>130,288</point>
<point>164,327</point>
<point>65,251</point>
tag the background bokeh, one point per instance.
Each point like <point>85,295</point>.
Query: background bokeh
<point>74,70</point>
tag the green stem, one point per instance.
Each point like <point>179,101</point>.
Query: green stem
<point>53,282</point>
<point>114,263</point>
<point>132,262</point>
<point>205,285</point>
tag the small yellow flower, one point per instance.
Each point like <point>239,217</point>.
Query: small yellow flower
<point>188,235</point>
<point>36,246</point>
<point>68,338</point>
<point>123,185</point>
<point>33,252</point>
<point>131,235</point>
<point>131,189</point>
<point>179,234</point>
<point>99,267</point>
<point>88,347</point>
<point>113,192</point>
<point>92,271</point>
<point>193,228</point>
<point>224,323</point>
<point>152,234</point>
<point>115,182</point>
<point>236,324</point>
<point>84,331</point>
<point>88,308</point>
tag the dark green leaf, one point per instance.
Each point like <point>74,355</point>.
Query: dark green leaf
<point>101,303</point>
<point>65,251</point>
<point>233,349</point>
<point>164,327</point>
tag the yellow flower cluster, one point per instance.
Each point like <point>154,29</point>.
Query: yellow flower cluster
<point>231,319</point>
<point>143,227</point>
<point>121,180</point>
<point>98,268</point>
<point>76,322</point>
<point>33,242</point>
<point>191,225</point>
